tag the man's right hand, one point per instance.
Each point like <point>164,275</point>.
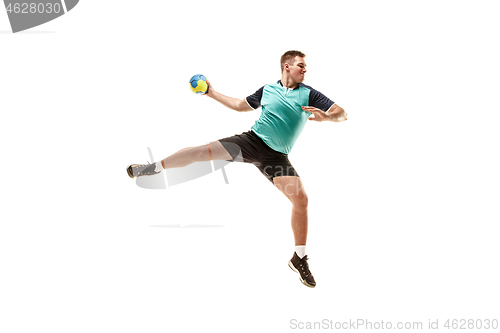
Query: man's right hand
<point>210,92</point>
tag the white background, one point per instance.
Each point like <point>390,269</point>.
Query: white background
<point>403,196</point>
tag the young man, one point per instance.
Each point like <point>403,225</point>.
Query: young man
<point>286,107</point>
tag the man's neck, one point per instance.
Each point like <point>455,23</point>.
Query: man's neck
<point>288,82</point>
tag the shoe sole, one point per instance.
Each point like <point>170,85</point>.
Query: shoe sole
<point>300,277</point>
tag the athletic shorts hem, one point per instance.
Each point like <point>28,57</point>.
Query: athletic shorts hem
<point>247,147</point>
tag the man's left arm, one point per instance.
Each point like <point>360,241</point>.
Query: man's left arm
<point>335,113</point>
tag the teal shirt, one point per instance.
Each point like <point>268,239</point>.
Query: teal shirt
<point>282,118</point>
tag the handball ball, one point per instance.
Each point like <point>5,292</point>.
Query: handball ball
<point>198,84</point>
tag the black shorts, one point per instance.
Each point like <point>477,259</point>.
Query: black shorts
<point>247,147</point>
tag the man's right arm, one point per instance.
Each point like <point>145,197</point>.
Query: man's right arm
<point>236,104</point>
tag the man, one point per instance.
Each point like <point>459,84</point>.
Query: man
<point>286,107</point>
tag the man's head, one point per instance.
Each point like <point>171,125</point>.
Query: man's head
<point>293,65</point>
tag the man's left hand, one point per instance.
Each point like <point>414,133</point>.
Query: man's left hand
<point>335,114</point>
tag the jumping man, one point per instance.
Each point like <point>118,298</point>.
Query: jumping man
<point>286,107</point>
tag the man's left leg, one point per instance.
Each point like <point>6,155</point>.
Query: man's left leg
<point>293,189</point>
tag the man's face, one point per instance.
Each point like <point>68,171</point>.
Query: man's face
<point>298,69</point>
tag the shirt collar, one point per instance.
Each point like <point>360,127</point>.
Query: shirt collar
<point>279,81</point>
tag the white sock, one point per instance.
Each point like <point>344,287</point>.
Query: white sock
<point>158,167</point>
<point>300,250</point>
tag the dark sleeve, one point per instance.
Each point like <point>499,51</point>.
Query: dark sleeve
<point>320,101</point>
<point>254,99</point>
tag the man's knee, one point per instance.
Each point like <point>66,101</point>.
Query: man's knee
<point>295,192</point>
<point>301,199</point>
<point>219,152</point>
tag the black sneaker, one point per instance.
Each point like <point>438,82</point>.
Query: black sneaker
<point>300,266</point>
<point>138,170</point>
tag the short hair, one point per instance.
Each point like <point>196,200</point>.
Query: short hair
<point>288,57</point>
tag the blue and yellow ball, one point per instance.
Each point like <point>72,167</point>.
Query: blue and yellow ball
<point>198,84</point>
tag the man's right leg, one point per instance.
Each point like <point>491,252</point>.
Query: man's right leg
<point>186,156</point>
<point>183,157</point>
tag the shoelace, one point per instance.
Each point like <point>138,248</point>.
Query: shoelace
<point>304,266</point>
<point>143,166</point>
